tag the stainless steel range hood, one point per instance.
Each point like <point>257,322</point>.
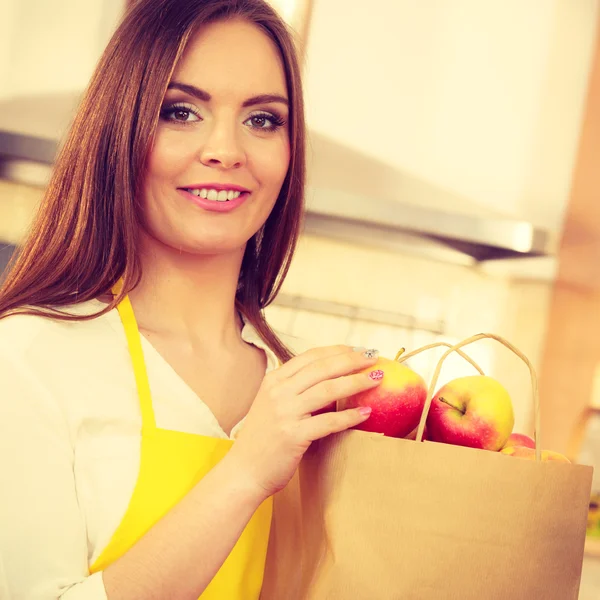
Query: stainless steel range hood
<point>350,196</point>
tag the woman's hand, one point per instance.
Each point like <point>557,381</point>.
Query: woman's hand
<point>281,424</point>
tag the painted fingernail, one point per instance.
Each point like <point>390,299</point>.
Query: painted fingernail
<point>371,353</point>
<point>359,349</point>
<point>365,411</point>
<point>376,375</point>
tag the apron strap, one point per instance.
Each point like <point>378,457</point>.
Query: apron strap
<point>134,342</point>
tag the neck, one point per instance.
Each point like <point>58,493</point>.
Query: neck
<point>188,296</point>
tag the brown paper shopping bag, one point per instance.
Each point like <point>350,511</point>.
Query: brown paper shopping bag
<point>369,517</point>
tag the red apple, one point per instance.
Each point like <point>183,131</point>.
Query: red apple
<point>474,411</point>
<point>529,454</point>
<point>519,439</point>
<point>397,403</point>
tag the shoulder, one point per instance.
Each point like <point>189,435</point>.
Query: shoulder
<point>24,334</point>
<point>74,373</point>
<point>50,364</point>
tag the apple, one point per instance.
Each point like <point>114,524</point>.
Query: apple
<point>397,403</point>
<point>529,454</point>
<point>519,439</point>
<point>474,411</point>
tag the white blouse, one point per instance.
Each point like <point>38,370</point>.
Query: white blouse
<point>70,445</point>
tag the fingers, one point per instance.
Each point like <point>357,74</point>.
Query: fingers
<point>328,368</point>
<point>323,425</point>
<point>296,364</point>
<point>327,392</point>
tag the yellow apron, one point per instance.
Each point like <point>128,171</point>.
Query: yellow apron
<point>171,463</point>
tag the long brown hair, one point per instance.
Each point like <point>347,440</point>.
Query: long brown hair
<point>85,235</point>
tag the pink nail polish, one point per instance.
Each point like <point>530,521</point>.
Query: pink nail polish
<point>365,410</point>
<point>376,375</point>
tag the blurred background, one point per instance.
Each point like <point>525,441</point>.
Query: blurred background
<point>454,178</point>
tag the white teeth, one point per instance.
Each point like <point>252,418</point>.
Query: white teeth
<point>219,196</point>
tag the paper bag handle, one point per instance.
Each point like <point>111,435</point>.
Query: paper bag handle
<point>507,344</point>
<point>401,357</point>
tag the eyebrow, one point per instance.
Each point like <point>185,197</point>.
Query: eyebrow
<point>204,96</point>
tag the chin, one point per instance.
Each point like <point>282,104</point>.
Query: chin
<point>207,247</point>
<point>196,245</point>
<point>197,237</point>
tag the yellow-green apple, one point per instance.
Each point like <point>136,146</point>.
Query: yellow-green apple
<point>529,454</point>
<point>397,403</point>
<point>474,411</point>
<point>519,439</point>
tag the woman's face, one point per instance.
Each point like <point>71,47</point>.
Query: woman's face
<point>221,150</point>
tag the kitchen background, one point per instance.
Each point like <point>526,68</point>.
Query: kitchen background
<point>452,175</point>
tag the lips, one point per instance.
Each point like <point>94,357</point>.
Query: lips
<point>216,186</point>
<point>213,200</point>
<point>214,195</point>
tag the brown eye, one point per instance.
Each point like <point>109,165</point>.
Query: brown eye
<point>265,121</point>
<point>180,114</point>
<point>259,121</point>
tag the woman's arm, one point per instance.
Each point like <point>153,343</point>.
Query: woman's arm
<point>43,544</point>
<point>180,555</point>
<point>45,551</point>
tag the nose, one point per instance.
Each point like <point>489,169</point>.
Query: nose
<point>222,148</point>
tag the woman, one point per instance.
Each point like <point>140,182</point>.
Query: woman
<point>133,348</point>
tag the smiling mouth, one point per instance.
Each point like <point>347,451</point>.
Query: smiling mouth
<point>215,195</point>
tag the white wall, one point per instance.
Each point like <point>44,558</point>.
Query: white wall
<point>8,14</point>
<point>52,46</point>
<point>482,98</point>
